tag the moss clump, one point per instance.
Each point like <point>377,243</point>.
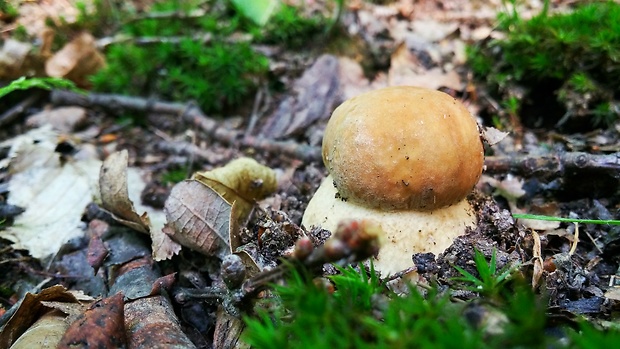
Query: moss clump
<point>183,58</point>
<point>200,51</point>
<point>290,28</point>
<point>573,58</point>
<point>356,310</point>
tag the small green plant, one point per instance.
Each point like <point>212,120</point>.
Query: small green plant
<point>175,175</point>
<point>490,281</point>
<point>43,83</point>
<point>187,58</point>
<point>573,58</point>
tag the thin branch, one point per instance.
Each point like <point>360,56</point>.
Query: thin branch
<point>543,166</point>
<point>13,113</point>
<point>554,165</point>
<point>191,114</point>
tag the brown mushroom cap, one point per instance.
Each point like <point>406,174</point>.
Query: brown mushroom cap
<point>403,148</point>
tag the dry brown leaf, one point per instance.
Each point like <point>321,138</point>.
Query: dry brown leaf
<point>45,333</point>
<point>316,94</point>
<point>29,312</point>
<point>199,218</point>
<point>76,60</point>
<point>100,326</point>
<point>114,193</point>
<point>538,261</point>
<point>163,246</point>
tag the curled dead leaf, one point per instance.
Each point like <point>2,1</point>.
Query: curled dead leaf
<point>115,195</point>
<point>242,182</point>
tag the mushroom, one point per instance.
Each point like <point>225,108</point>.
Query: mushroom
<point>406,158</point>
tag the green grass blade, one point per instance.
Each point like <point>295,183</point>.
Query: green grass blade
<point>569,220</point>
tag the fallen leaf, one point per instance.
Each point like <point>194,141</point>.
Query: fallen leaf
<point>199,218</point>
<point>100,326</point>
<point>163,246</point>
<point>76,61</point>
<point>316,94</point>
<point>29,312</point>
<point>114,193</point>
<point>46,332</point>
<point>14,57</point>
<point>613,293</point>
<point>407,70</point>
<point>54,193</point>
<point>97,252</point>
<point>163,283</point>
<point>119,185</point>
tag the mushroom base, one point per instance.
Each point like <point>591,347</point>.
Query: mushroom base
<point>405,232</point>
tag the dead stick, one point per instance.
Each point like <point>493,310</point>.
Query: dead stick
<point>191,114</point>
<point>12,114</point>
<point>545,166</point>
<point>554,165</point>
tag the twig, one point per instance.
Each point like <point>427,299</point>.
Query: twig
<point>198,13</point>
<point>254,116</point>
<point>545,166</point>
<point>191,114</point>
<point>352,241</point>
<point>12,114</point>
<point>203,38</point>
<point>553,165</point>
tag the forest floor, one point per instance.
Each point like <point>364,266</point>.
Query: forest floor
<point>54,143</point>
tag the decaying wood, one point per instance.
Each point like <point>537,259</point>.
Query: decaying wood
<point>191,114</point>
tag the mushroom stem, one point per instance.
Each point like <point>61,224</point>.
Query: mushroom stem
<point>404,232</point>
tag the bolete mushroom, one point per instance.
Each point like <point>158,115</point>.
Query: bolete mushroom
<point>405,157</point>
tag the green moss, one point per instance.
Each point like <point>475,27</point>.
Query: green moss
<point>360,312</point>
<point>186,59</point>
<point>289,28</point>
<point>579,50</point>
<point>175,175</point>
